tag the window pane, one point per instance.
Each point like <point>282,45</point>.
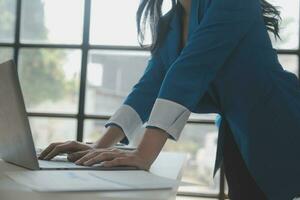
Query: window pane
<point>50,79</point>
<point>6,53</point>
<point>289,62</point>
<point>290,24</point>
<point>7,20</point>
<point>200,142</point>
<point>93,130</point>
<point>48,130</point>
<point>113,22</point>
<point>52,21</point>
<point>110,77</point>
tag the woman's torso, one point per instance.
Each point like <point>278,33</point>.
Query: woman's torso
<point>261,103</point>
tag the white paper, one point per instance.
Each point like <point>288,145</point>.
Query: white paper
<point>68,180</point>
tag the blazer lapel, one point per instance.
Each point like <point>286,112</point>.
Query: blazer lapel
<point>174,35</point>
<point>175,26</point>
<point>194,16</point>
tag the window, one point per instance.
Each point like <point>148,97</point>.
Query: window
<point>7,21</point>
<point>6,53</point>
<point>199,141</point>
<point>39,22</point>
<point>111,75</point>
<point>51,129</point>
<point>77,70</point>
<point>50,79</point>
<point>103,17</point>
<point>290,24</point>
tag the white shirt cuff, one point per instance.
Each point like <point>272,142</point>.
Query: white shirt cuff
<point>168,116</point>
<point>126,118</point>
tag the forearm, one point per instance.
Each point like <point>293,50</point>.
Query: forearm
<point>113,135</point>
<point>151,144</point>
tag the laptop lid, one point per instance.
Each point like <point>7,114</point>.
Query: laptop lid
<point>16,143</point>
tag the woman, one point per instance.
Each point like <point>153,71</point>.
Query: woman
<point>211,56</point>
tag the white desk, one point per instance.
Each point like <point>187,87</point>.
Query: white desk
<point>168,165</point>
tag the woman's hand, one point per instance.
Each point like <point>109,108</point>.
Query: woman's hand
<point>142,158</point>
<point>83,154</point>
<point>112,157</point>
<point>65,147</point>
<point>76,150</point>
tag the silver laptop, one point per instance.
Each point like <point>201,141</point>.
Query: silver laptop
<point>16,143</point>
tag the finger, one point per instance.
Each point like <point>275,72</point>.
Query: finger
<point>101,157</point>
<point>73,146</point>
<point>48,150</point>
<point>120,161</point>
<point>62,148</point>
<point>78,146</point>
<point>91,155</point>
<point>77,155</point>
<point>126,161</point>
<point>86,157</point>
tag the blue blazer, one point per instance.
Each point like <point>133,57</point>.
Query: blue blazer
<point>229,67</point>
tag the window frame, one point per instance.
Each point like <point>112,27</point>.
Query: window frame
<point>85,47</point>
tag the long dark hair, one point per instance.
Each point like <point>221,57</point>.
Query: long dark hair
<point>150,13</point>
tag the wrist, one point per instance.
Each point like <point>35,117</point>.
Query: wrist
<point>112,135</point>
<point>151,144</point>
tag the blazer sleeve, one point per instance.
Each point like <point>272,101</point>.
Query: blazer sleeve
<point>223,26</point>
<point>137,106</point>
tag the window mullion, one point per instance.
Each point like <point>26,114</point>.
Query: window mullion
<point>83,74</point>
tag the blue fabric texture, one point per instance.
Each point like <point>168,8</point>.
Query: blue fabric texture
<point>229,67</point>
